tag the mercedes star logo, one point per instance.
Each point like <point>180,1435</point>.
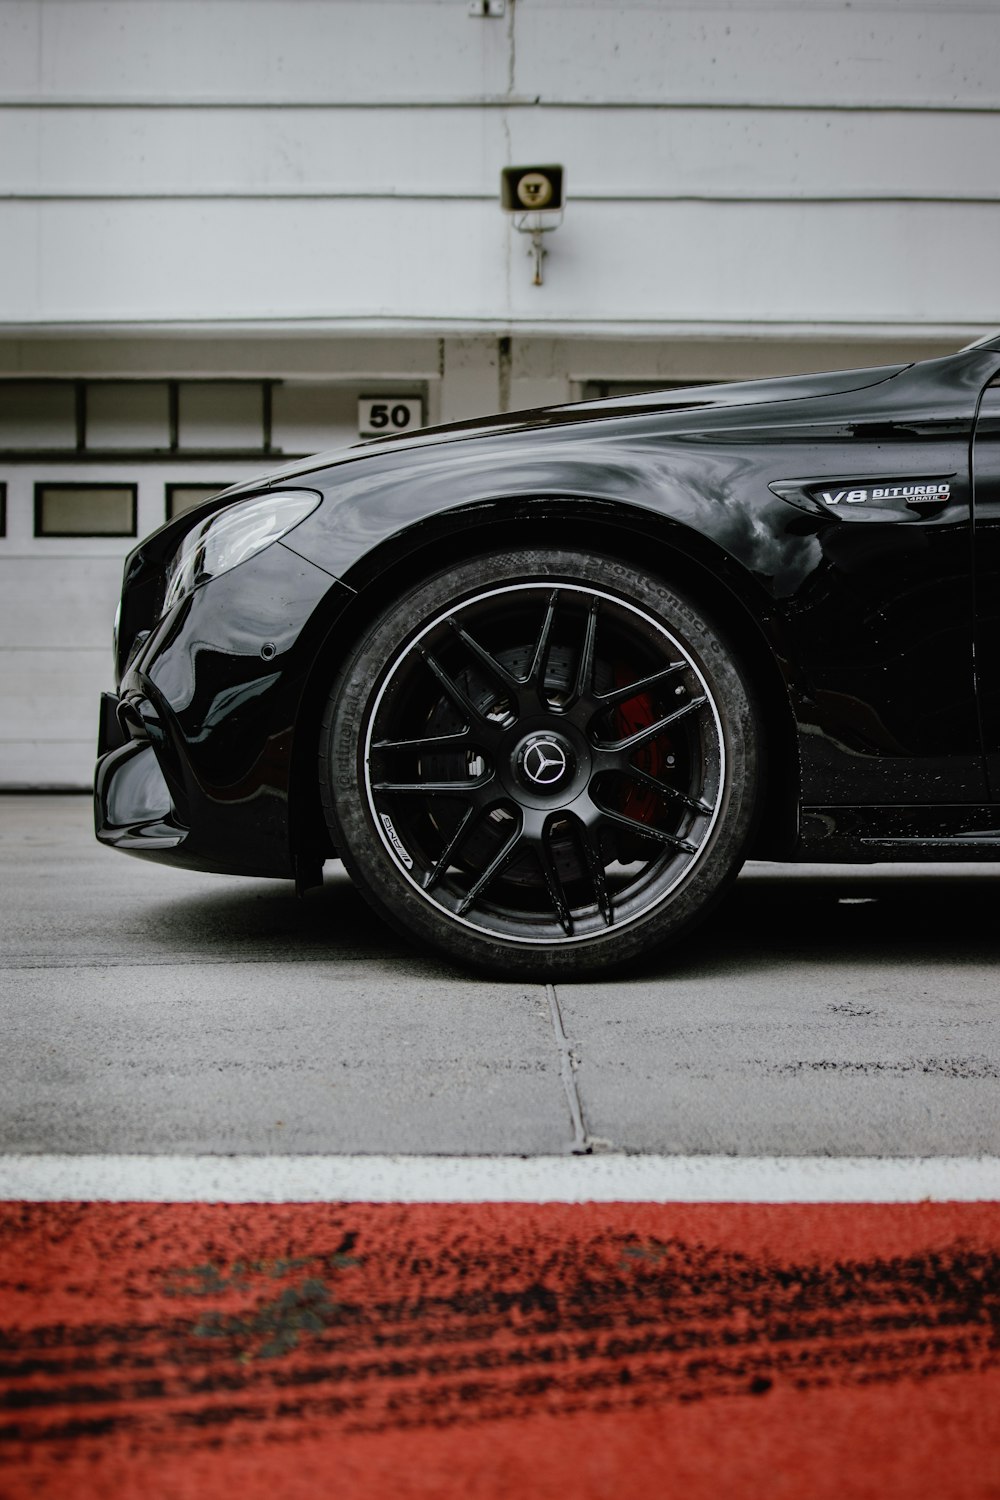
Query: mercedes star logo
<point>545,762</point>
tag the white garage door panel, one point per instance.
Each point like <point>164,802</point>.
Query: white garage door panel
<point>46,602</point>
<point>52,694</point>
<point>56,615</point>
<point>48,730</point>
<point>42,765</point>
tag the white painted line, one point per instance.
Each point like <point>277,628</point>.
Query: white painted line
<point>472,1179</point>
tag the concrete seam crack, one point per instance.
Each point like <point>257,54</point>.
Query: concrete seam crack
<point>581,1144</point>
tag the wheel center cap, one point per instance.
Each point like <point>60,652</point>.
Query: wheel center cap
<point>545,762</point>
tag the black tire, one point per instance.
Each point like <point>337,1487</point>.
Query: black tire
<point>541,762</point>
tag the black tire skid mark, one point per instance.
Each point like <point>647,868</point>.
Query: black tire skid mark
<point>597,1324</point>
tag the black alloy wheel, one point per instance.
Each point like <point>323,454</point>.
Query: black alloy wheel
<point>542,762</point>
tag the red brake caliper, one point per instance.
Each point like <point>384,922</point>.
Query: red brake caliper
<point>639,802</point>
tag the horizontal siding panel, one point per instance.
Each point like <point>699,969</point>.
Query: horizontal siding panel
<point>279,50</point>
<point>401,50</point>
<point>459,153</point>
<point>138,261</point>
<point>636,263</point>
<point>656,153</point>
<point>809,54</point>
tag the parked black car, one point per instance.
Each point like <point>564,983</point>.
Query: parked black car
<point>545,681</point>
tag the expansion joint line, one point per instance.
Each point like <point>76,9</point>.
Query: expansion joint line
<point>581,1145</point>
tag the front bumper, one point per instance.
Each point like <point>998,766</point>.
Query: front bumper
<point>199,753</point>
<point>132,806</point>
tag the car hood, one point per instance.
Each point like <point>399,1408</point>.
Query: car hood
<point>696,400</point>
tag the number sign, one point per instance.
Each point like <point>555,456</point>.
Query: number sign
<point>389,416</point>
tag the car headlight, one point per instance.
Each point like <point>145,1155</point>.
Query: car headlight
<point>231,536</point>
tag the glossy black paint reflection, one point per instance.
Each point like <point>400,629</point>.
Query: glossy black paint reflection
<point>872,621</point>
<point>222,716</point>
<point>986,470</point>
<point>863,624</point>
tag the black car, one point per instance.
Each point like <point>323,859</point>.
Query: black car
<point>544,681</point>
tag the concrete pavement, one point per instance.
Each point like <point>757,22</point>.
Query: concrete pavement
<point>823,1011</point>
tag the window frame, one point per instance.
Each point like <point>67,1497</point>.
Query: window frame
<point>41,485</point>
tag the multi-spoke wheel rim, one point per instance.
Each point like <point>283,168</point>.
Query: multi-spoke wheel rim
<point>545,763</point>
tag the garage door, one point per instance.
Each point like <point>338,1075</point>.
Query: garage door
<point>86,468</point>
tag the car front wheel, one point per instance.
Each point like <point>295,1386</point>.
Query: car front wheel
<point>542,762</point>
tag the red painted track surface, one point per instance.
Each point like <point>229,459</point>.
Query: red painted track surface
<point>603,1350</point>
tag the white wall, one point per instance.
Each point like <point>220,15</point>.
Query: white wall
<point>335,163</point>
<point>308,189</point>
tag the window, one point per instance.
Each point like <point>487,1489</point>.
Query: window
<point>181,497</point>
<point>38,414</point>
<point>222,414</point>
<point>127,414</point>
<point>94,418</point>
<point>309,417</point>
<point>98,419</point>
<point>85,509</point>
